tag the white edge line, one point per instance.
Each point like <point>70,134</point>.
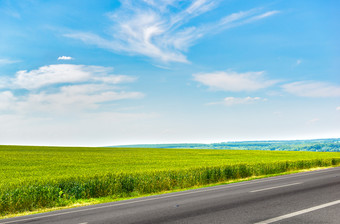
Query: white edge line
<point>201,190</point>
<point>298,212</point>
<point>269,188</point>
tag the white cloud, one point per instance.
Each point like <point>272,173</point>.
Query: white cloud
<point>114,79</point>
<point>72,98</point>
<point>63,73</point>
<point>52,74</point>
<point>298,61</point>
<point>79,107</point>
<point>4,61</point>
<point>161,30</point>
<point>65,58</point>
<point>233,81</point>
<point>262,16</point>
<point>338,108</point>
<point>6,99</point>
<point>74,88</point>
<point>312,89</point>
<point>230,101</point>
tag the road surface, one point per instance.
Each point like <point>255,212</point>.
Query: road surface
<point>309,197</point>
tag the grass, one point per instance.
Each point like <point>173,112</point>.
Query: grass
<point>33,178</point>
<point>93,201</point>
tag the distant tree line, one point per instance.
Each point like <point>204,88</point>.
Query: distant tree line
<point>315,145</point>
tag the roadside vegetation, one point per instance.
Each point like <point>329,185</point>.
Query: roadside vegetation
<point>44,177</point>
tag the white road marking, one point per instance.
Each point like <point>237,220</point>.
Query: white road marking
<point>269,188</point>
<point>298,212</point>
<point>195,191</point>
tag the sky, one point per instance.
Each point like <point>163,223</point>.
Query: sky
<point>100,73</point>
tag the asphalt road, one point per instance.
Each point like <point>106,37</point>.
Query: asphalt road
<point>310,197</point>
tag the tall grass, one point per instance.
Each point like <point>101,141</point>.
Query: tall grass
<point>34,194</point>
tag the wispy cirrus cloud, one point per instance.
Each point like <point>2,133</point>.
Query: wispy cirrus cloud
<point>8,10</point>
<point>160,29</point>
<point>70,88</point>
<point>230,101</point>
<point>234,82</point>
<point>5,61</point>
<point>312,89</point>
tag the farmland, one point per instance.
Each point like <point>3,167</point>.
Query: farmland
<point>41,177</point>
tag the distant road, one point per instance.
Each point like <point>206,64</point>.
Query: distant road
<point>310,197</point>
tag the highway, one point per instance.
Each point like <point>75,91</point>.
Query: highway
<point>308,197</point>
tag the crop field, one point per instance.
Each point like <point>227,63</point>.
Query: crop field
<point>43,177</point>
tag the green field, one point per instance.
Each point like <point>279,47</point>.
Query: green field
<point>42,177</point>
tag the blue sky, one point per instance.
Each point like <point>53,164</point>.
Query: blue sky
<point>95,73</point>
